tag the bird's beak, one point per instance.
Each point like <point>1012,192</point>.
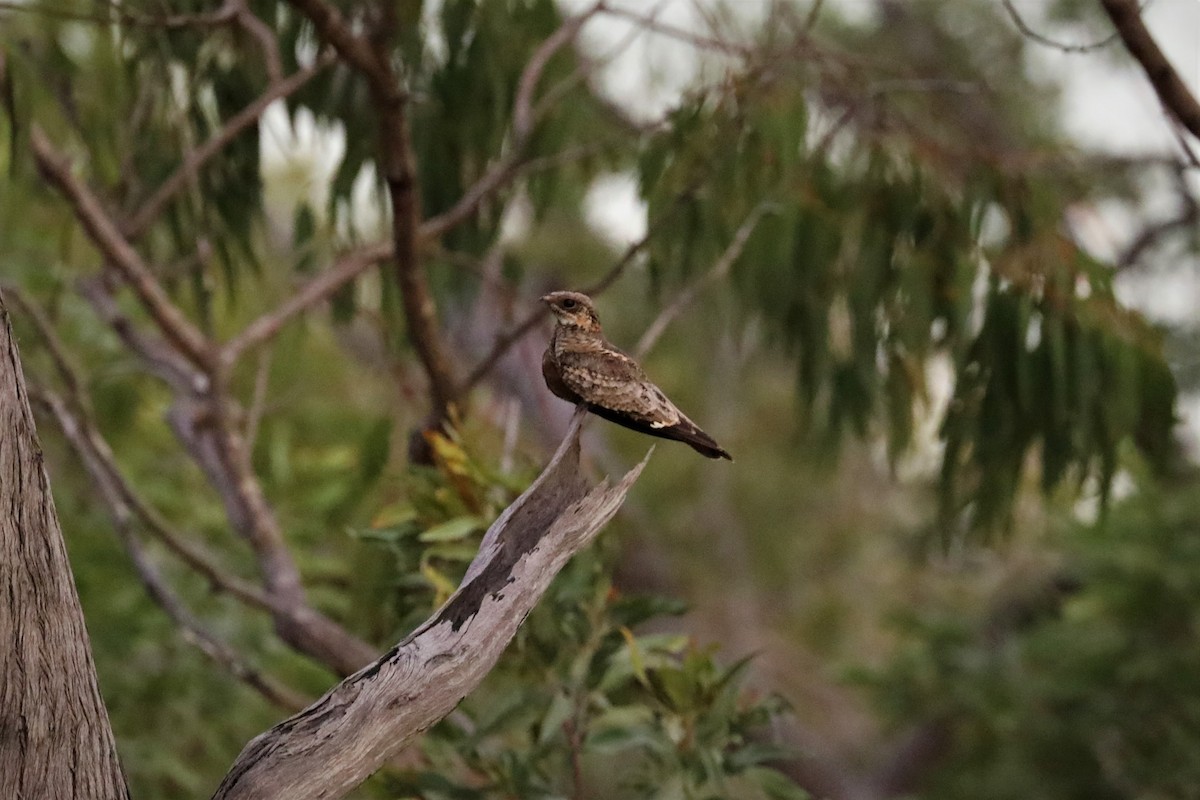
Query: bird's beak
<point>546,299</point>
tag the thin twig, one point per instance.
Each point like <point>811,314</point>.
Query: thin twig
<point>524,118</point>
<point>258,399</point>
<point>810,20</point>
<point>118,252</point>
<point>1030,33</point>
<point>1186,219</point>
<point>86,432</point>
<point>696,40</point>
<point>156,586</point>
<point>719,270</point>
<point>267,326</point>
<point>262,33</point>
<point>239,122</point>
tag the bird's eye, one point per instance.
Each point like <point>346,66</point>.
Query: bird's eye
<point>569,304</point>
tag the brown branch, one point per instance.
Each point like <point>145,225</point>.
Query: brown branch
<point>267,326</point>
<point>397,164</point>
<point>524,118</point>
<point>688,295</point>
<point>262,33</point>
<point>94,451</point>
<point>666,29</point>
<point>203,420</point>
<point>234,126</point>
<point>1172,92</point>
<point>1186,219</point>
<point>118,252</point>
<point>332,746</point>
<point>1030,33</point>
<point>158,358</point>
<point>156,586</point>
<point>356,51</point>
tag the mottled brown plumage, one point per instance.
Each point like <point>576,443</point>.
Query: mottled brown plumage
<point>581,366</point>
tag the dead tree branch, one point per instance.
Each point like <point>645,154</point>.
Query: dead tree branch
<point>332,746</point>
<point>82,442</point>
<point>1172,92</point>
<point>202,418</point>
<point>346,269</point>
<point>688,295</point>
<point>1030,33</point>
<point>238,123</point>
<point>525,117</point>
<point>397,165</point>
<point>118,252</point>
<point>95,453</point>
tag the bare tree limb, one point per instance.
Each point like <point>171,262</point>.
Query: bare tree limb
<point>346,269</point>
<point>1030,33</point>
<point>265,37</point>
<point>202,420</point>
<point>524,117</point>
<point>96,454</point>
<point>332,746</point>
<point>1172,92</point>
<point>118,252</point>
<point>156,585</point>
<point>234,126</point>
<point>397,165</point>
<point>688,296</point>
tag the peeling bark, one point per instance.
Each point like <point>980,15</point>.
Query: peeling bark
<point>55,737</point>
<point>336,743</point>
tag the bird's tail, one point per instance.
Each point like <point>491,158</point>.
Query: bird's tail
<point>690,434</point>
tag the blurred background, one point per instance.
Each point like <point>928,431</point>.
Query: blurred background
<point>927,268</point>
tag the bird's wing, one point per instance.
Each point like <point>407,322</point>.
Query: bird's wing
<point>612,380</point>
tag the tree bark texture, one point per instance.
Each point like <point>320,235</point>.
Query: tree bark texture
<point>336,743</point>
<point>55,737</point>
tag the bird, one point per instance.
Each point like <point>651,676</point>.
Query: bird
<point>582,367</point>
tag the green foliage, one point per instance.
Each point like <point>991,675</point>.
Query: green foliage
<point>580,697</point>
<point>1084,687</point>
<point>913,193</point>
<point>874,259</point>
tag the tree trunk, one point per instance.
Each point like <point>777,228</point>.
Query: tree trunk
<point>55,738</point>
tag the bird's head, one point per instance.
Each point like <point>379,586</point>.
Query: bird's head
<point>573,309</point>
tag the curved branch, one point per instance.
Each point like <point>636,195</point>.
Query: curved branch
<point>118,252</point>
<point>346,269</point>
<point>236,124</point>
<point>122,515</point>
<point>1030,33</point>
<point>332,746</point>
<point>1172,92</point>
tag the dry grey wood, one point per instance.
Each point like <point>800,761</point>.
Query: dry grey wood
<point>336,743</point>
<point>55,737</point>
